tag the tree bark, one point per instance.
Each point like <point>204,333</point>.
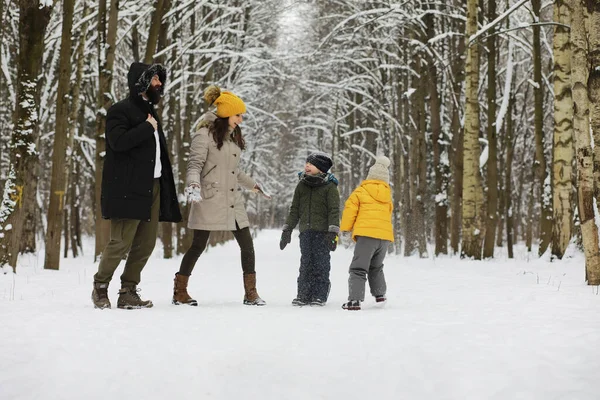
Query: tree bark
<point>33,20</point>
<point>153,33</point>
<point>440,167</point>
<point>106,57</point>
<point>56,209</point>
<point>456,149</point>
<point>472,204</point>
<point>167,227</point>
<point>593,9</point>
<point>185,236</point>
<point>581,134</point>
<point>563,132</point>
<point>418,163</point>
<point>492,163</point>
<point>544,190</point>
<point>508,177</point>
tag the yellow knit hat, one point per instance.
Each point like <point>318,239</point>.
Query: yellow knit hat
<point>227,103</point>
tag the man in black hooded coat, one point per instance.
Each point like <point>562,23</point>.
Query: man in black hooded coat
<point>138,189</point>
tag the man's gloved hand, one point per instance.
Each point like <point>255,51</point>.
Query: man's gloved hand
<point>286,237</point>
<point>331,239</point>
<point>192,193</point>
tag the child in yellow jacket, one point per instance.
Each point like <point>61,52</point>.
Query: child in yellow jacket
<point>368,215</point>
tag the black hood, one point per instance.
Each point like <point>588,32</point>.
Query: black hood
<point>140,75</point>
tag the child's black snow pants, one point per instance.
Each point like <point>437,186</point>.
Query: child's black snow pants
<point>313,280</point>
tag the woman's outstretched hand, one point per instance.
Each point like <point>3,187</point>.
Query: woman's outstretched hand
<point>258,189</point>
<point>192,193</point>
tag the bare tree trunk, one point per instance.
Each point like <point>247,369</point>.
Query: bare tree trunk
<point>472,205</point>
<point>501,191</point>
<point>510,147</point>
<point>157,15</point>
<point>541,172</point>
<point>184,236</point>
<point>398,182</point>
<point>59,152</point>
<point>594,87</point>
<point>581,133</point>
<point>33,20</point>
<point>530,210</point>
<point>106,57</point>
<point>135,43</point>
<point>440,168</point>
<point>32,209</point>
<point>563,132</point>
<point>492,164</point>
<point>409,232</point>
<point>419,161</point>
<point>74,226</point>
<point>456,149</point>
<point>167,227</point>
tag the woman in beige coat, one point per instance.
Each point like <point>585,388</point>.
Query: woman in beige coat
<point>214,185</point>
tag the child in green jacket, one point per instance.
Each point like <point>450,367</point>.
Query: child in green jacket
<point>316,209</point>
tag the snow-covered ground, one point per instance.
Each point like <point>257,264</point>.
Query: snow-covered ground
<point>506,329</point>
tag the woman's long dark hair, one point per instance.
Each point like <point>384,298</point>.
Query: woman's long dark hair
<point>220,129</point>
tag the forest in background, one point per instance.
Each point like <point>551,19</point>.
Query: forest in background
<point>488,110</point>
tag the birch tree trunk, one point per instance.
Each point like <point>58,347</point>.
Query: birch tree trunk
<point>472,204</point>
<point>544,194</point>
<point>583,147</point>
<point>563,132</point>
<point>593,8</point>
<point>59,151</point>
<point>106,58</point>
<point>33,20</point>
<point>492,163</point>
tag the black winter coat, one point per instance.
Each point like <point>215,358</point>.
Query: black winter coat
<point>128,173</point>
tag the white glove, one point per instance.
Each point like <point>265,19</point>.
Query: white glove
<point>192,193</point>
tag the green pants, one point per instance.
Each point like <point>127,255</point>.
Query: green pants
<point>133,236</point>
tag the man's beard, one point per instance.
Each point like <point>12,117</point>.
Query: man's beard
<point>153,94</point>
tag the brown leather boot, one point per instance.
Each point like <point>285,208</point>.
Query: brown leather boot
<point>251,298</point>
<point>180,294</point>
<point>129,299</point>
<point>100,295</point>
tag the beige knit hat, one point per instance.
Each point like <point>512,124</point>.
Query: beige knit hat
<point>380,170</point>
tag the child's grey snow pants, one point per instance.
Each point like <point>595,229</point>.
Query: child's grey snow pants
<point>368,260</point>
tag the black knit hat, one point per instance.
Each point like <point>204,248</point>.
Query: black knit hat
<point>320,160</point>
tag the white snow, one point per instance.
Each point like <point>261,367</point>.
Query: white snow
<point>409,92</point>
<point>452,329</point>
<point>533,83</point>
<point>507,88</point>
